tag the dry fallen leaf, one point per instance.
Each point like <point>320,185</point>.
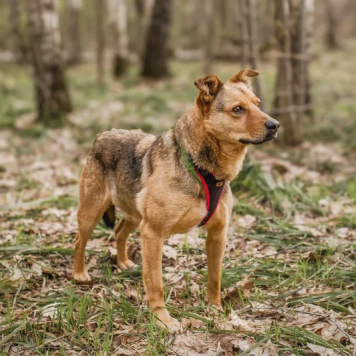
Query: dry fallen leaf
<point>122,351</point>
<point>322,351</point>
<point>240,289</point>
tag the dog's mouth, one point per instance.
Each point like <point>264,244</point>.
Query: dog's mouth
<point>269,137</point>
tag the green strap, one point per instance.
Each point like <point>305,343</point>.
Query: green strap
<point>189,164</point>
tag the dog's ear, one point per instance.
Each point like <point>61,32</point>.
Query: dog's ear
<point>208,87</point>
<point>243,76</point>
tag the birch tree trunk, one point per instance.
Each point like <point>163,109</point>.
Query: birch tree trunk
<point>298,58</point>
<point>119,30</point>
<point>309,26</point>
<point>19,48</point>
<point>74,8</point>
<point>209,37</point>
<point>254,51</point>
<point>51,89</point>
<point>301,31</point>
<point>284,110</point>
<point>100,6</point>
<point>331,31</point>
<point>155,63</point>
<point>244,36</point>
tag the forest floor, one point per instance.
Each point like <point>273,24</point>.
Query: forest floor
<point>289,271</point>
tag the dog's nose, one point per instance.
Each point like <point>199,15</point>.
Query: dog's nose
<point>272,125</point>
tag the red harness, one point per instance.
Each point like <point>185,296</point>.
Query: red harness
<point>213,191</point>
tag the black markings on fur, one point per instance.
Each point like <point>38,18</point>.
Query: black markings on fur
<point>134,161</point>
<point>176,146</point>
<point>109,217</point>
<point>207,154</point>
<point>149,164</point>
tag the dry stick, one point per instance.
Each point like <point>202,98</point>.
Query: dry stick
<point>60,337</point>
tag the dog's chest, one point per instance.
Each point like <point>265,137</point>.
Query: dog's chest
<point>190,217</point>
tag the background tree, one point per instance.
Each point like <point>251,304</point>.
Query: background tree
<point>144,10</point>
<point>19,48</point>
<point>74,36</point>
<point>331,29</point>
<point>244,33</point>
<point>283,102</point>
<point>155,63</point>
<point>209,37</point>
<point>51,89</point>
<point>119,30</point>
<point>301,14</point>
<point>254,48</point>
<point>100,16</point>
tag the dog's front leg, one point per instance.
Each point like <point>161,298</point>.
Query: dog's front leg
<point>215,248</point>
<point>152,250</point>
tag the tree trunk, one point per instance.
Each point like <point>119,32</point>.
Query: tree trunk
<point>209,37</point>
<point>51,88</point>
<point>74,40</point>
<point>119,30</point>
<point>284,110</point>
<point>19,47</point>
<point>309,27</point>
<point>155,64</point>
<point>331,31</point>
<point>100,12</point>
<point>301,16</point>
<point>254,50</point>
<point>244,36</point>
<point>144,13</point>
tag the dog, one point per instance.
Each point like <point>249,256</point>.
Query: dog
<point>158,182</point>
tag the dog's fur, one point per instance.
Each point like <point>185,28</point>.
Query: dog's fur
<point>146,178</point>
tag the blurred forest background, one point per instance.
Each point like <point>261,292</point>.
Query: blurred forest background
<point>70,69</point>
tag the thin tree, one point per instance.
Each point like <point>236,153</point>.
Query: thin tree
<point>254,49</point>
<point>100,10</point>
<point>209,37</point>
<point>74,45</point>
<point>283,103</point>
<point>244,33</point>
<point>19,48</point>
<point>155,63</point>
<point>301,16</point>
<point>119,30</point>
<point>144,10</point>
<point>45,43</point>
<point>332,39</point>
<point>309,30</point>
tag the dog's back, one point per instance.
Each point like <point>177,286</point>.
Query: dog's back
<point>120,153</point>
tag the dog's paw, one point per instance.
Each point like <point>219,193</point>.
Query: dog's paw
<point>213,309</point>
<point>124,265</point>
<point>82,278</point>
<point>164,320</point>
<point>172,325</point>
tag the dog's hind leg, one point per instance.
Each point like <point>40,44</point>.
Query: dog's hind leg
<point>93,203</point>
<point>122,231</point>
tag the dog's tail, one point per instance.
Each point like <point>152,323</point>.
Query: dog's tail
<point>109,217</point>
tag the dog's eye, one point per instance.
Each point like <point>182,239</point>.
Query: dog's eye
<point>238,109</point>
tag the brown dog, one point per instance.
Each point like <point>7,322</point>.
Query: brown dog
<point>146,177</point>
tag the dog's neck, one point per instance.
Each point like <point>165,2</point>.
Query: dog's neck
<point>221,158</point>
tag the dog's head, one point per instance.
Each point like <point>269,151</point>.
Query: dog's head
<point>231,111</point>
